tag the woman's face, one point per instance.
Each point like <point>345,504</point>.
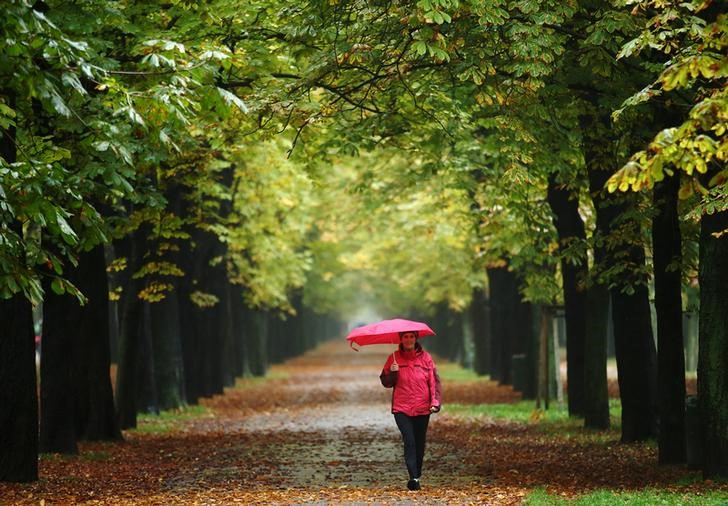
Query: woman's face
<point>408,340</point>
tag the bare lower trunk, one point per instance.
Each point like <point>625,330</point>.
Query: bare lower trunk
<point>666,248</point>
<point>570,228</point>
<point>713,351</point>
<point>18,393</point>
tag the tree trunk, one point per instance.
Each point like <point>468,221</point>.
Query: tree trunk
<point>129,326</point>
<point>501,283</point>
<point>713,347</point>
<point>210,321</point>
<point>596,398</point>
<point>167,350</point>
<point>256,339</point>
<point>666,251</point>
<point>18,381</point>
<point>58,372</point>
<point>636,361</point>
<point>95,419</point>
<point>227,326</point>
<point>449,327</point>
<point>526,331</point>
<point>570,229</point>
<point>147,399</point>
<point>191,341</point>
<point>18,393</point>
<point>634,344</point>
<point>236,301</point>
<point>114,324</point>
<point>480,317</point>
<point>599,166</point>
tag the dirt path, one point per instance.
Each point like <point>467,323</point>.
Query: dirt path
<point>323,434</point>
<point>327,434</point>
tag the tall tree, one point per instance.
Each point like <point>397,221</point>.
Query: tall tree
<point>693,38</point>
<point>18,394</point>
<point>667,258</point>
<point>574,272</point>
<point>713,351</point>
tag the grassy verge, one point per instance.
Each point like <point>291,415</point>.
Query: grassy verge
<point>172,420</point>
<point>450,371</point>
<point>271,374</point>
<point>554,421</point>
<point>648,497</point>
<point>168,421</point>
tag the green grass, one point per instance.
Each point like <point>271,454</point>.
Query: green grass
<point>248,381</point>
<point>167,421</point>
<point>648,497</point>
<point>524,411</point>
<point>92,456</point>
<point>554,421</point>
<point>450,371</point>
<point>95,456</point>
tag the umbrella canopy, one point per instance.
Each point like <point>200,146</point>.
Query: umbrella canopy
<point>386,332</point>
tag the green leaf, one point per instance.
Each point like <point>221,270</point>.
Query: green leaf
<point>68,234</point>
<point>419,47</point>
<point>6,111</point>
<point>232,99</point>
<point>72,80</point>
<point>57,286</point>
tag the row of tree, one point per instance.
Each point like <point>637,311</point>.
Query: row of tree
<point>545,114</point>
<point>123,177</point>
<point>441,155</point>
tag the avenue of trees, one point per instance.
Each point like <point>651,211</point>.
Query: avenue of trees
<point>194,190</point>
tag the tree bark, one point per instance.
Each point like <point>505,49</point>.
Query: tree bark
<point>599,164</point>
<point>129,327</point>
<point>636,360</point>
<point>667,257</point>
<point>596,398</point>
<point>210,324</point>
<point>191,340</point>
<point>18,393</point>
<point>713,344</point>
<point>256,341</point>
<point>95,419</point>
<point>480,317</point>
<point>228,335</point>
<point>634,344</point>
<point>147,400</point>
<point>500,282</point>
<point>167,351</point>
<point>58,372</point>
<point>18,380</point>
<point>527,328</point>
<point>574,273</point>
<point>236,302</point>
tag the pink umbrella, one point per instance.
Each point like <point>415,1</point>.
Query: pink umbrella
<point>386,332</point>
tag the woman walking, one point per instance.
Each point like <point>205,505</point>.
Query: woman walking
<point>416,394</point>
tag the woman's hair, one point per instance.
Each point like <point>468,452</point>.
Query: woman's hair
<point>416,333</point>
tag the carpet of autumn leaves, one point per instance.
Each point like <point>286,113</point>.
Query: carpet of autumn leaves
<point>320,432</point>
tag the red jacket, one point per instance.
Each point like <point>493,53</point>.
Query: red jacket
<point>416,385</point>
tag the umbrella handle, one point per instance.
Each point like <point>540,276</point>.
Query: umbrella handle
<point>394,357</point>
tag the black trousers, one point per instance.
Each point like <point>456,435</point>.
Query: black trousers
<point>414,433</point>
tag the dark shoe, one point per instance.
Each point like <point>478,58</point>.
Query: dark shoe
<point>413,484</point>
